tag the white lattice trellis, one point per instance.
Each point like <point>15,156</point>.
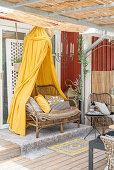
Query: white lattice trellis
<point>11,54</point>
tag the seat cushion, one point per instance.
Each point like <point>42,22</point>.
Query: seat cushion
<point>43,103</point>
<point>56,115</point>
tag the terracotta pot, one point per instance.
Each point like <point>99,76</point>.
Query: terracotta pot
<point>17,67</point>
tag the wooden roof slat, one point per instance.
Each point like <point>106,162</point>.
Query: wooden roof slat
<point>92,14</point>
<point>59,5</point>
<point>99,18</point>
<point>103,22</point>
<point>86,9</point>
<point>26,2</point>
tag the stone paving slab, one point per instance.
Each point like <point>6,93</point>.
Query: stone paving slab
<point>47,136</point>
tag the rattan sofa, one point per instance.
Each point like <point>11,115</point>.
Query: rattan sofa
<point>55,117</point>
<point>106,98</point>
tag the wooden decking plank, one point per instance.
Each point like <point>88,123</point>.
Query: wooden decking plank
<point>100,163</point>
<point>13,159</point>
<point>81,159</point>
<point>41,162</point>
<point>69,160</point>
<point>7,143</point>
<point>101,167</point>
<point>96,158</point>
<point>13,163</point>
<point>49,155</point>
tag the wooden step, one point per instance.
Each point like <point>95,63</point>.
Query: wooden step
<point>9,150</point>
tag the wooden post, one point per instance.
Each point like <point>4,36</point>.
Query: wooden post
<point>61,128</point>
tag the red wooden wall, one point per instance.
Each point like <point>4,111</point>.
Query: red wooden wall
<point>103,57</point>
<point>72,69</point>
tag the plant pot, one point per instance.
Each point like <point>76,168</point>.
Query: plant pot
<point>17,67</point>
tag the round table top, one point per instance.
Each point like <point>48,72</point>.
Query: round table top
<point>95,114</point>
<point>111,126</point>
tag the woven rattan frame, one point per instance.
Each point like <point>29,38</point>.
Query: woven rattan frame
<point>106,98</point>
<point>109,146</point>
<point>35,119</point>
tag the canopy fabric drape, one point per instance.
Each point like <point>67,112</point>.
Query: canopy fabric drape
<point>37,68</point>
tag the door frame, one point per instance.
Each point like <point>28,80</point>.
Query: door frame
<point>8,26</point>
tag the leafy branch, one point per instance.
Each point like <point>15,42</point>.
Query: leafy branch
<point>17,60</point>
<point>82,60</point>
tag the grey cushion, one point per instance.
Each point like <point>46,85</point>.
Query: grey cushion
<point>28,107</point>
<point>60,106</point>
<point>34,104</point>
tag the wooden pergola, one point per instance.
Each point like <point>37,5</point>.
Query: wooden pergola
<point>65,15</point>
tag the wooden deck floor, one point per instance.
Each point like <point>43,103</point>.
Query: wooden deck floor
<point>55,161</point>
<point>8,150</point>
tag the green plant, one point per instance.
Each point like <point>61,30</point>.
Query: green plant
<point>17,60</point>
<point>77,90</point>
<point>82,60</point>
<point>81,56</point>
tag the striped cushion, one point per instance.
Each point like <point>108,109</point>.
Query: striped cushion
<point>34,104</point>
<point>60,106</point>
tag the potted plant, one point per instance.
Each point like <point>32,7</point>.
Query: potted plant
<point>17,64</point>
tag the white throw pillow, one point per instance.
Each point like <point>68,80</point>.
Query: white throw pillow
<point>103,108</point>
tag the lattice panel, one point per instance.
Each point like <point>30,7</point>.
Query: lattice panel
<point>15,53</point>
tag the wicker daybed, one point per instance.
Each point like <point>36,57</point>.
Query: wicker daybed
<point>55,117</point>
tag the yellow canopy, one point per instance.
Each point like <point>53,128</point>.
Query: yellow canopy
<point>37,68</point>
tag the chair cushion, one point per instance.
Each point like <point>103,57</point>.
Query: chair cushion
<point>54,99</point>
<point>103,108</point>
<point>34,104</point>
<point>60,106</point>
<point>43,103</point>
<point>57,115</point>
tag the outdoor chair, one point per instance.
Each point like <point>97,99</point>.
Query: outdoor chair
<point>109,146</point>
<point>54,117</point>
<point>106,120</point>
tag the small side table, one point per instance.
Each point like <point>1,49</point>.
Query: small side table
<point>92,117</point>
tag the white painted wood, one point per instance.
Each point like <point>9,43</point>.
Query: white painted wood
<point>58,50</point>
<point>87,43</point>
<point>8,23</point>
<point>8,26</point>
<point>11,53</point>
<point>1,82</point>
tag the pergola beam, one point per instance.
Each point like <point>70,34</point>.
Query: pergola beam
<point>96,42</point>
<point>27,2</point>
<point>98,18</point>
<point>58,17</point>
<point>109,25</point>
<point>84,9</point>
